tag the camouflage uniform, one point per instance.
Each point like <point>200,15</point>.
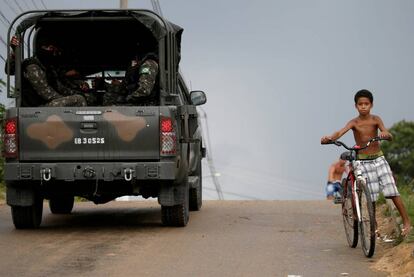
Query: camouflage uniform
<point>137,86</point>
<point>143,84</point>
<point>39,80</point>
<point>71,85</point>
<point>114,95</point>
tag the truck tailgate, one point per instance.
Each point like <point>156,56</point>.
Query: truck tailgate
<point>89,133</point>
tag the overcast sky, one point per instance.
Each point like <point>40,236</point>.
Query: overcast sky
<point>280,74</point>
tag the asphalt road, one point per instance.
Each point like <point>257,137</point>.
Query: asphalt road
<point>225,238</point>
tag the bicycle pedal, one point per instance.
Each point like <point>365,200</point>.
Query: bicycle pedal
<point>337,201</point>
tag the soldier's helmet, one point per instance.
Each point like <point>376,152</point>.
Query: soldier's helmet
<point>49,52</point>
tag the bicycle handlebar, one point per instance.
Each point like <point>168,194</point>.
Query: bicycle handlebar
<point>356,147</point>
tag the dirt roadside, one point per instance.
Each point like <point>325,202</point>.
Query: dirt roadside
<point>397,261</point>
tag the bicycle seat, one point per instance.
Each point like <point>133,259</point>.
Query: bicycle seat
<point>348,156</point>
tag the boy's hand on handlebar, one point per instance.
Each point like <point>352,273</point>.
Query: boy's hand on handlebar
<point>326,140</point>
<point>385,135</point>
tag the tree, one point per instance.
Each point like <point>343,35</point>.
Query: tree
<point>400,151</point>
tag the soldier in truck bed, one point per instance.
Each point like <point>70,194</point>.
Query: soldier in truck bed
<point>140,77</point>
<point>43,76</point>
<point>138,85</point>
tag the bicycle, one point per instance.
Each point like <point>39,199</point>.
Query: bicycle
<point>358,210</point>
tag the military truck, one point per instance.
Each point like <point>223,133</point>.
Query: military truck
<point>102,152</point>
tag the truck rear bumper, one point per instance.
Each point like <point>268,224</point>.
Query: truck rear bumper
<point>165,170</point>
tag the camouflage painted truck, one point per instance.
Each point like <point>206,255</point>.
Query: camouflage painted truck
<point>102,152</point>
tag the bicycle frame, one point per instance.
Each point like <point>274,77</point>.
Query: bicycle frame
<point>358,173</point>
<point>355,173</point>
<point>352,178</point>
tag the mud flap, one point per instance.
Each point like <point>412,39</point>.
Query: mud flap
<point>170,195</point>
<point>20,196</point>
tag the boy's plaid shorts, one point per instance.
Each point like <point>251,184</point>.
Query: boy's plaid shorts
<point>379,177</point>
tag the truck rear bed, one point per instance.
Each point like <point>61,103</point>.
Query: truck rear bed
<point>89,133</point>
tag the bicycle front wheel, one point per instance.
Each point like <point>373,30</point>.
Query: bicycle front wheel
<point>367,221</point>
<point>348,216</point>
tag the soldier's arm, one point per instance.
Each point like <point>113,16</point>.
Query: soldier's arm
<point>37,78</point>
<point>11,58</point>
<point>147,76</point>
<point>67,89</point>
<point>9,66</point>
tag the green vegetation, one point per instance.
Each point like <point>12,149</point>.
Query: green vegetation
<point>400,156</point>
<point>407,196</point>
<point>400,151</point>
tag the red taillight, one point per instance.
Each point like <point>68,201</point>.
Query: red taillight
<point>11,127</point>
<point>10,138</point>
<point>168,139</point>
<point>166,124</point>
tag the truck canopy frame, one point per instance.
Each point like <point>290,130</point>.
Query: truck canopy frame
<point>96,40</point>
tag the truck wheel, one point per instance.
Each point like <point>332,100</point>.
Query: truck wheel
<point>177,215</point>
<point>61,204</point>
<point>28,217</point>
<point>196,194</point>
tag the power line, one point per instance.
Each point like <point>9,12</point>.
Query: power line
<point>2,40</point>
<point>26,4</point>
<point>263,178</point>
<point>18,5</point>
<point>11,7</point>
<point>35,5</point>
<point>3,21</point>
<point>5,18</point>
<point>43,4</point>
<point>261,173</point>
<point>234,194</point>
<point>156,7</point>
<point>210,160</point>
<point>274,185</point>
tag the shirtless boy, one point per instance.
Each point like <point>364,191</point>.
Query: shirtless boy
<point>374,166</point>
<point>335,173</point>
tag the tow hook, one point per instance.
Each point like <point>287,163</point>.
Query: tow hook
<point>128,174</point>
<point>89,172</point>
<point>46,174</point>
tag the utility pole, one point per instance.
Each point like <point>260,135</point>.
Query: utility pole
<point>123,4</point>
<point>210,161</point>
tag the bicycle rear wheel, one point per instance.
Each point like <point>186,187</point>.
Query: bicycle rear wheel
<point>367,223</point>
<point>348,216</point>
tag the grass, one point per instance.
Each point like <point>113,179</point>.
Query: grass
<point>2,192</point>
<point>407,196</point>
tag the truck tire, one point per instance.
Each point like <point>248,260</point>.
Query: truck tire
<point>177,215</point>
<point>28,217</point>
<point>196,194</point>
<point>61,204</point>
